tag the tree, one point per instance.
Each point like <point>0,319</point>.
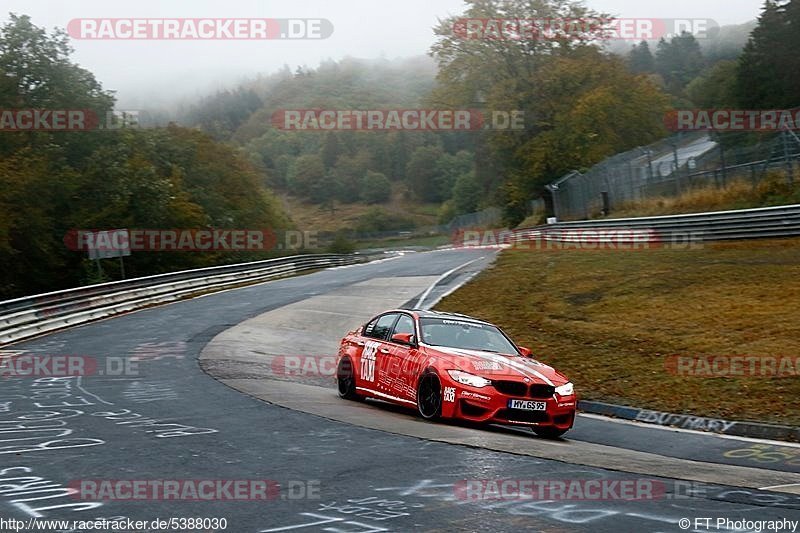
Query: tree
<point>375,188</point>
<point>679,61</point>
<point>222,114</point>
<point>579,104</point>
<point>715,87</point>
<point>450,167</point>
<point>467,194</point>
<point>51,183</point>
<point>424,176</point>
<point>348,175</point>
<point>640,59</point>
<point>330,150</point>
<point>307,179</point>
<point>768,74</point>
<point>36,72</point>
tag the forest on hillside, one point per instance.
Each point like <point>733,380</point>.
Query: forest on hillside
<point>54,182</point>
<point>221,164</point>
<point>583,100</point>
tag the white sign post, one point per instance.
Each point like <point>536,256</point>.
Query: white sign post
<point>109,244</point>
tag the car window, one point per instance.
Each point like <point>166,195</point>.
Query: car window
<point>367,332</point>
<point>404,325</point>
<point>380,327</point>
<point>465,335</point>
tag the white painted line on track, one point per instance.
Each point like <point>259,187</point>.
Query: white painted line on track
<point>782,443</point>
<point>780,486</point>
<point>440,278</point>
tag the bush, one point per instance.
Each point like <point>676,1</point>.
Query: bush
<point>377,220</point>
<point>375,188</point>
<point>341,245</point>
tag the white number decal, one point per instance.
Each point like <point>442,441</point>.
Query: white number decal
<point>450,394</point>
<point>368,357</point>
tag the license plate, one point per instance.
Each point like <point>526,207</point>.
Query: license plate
<point>527,405</point>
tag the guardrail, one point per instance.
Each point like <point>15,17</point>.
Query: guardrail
<point>761,223</point>
<point>26,317</point>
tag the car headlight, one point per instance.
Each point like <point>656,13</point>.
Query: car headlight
<point>465,378</point>
<point>567,389</point>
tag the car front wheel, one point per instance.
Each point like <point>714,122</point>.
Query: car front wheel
<point>429,396</point>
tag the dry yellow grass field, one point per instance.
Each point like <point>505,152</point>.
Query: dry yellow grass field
<point>609,319</point>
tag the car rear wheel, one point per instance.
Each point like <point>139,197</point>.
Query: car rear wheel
<point>429,396</point>
<point>346,381</point>
<point>549,432</point>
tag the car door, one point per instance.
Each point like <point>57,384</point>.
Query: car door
<point>398,359</point>
<point>373,358</point>
<point>409,358</point>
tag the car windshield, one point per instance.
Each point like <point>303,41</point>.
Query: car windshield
<point>465,335</point>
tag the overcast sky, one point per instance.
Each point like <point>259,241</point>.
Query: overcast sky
<point>152,71</point>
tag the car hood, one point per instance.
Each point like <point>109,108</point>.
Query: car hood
<point>497,366</point>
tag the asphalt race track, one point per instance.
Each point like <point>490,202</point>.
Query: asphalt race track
<point>168,419</point>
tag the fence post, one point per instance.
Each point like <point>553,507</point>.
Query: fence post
<point>677,169</point>
<point>722,162</point>
<point>787,157</point>
<point>554,192</point>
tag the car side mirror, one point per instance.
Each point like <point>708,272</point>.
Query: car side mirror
<point>403,338</point>
<point>526,352</point>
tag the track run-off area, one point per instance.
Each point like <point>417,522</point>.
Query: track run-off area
<point>204,401</point>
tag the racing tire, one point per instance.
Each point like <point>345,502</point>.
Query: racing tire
<point>429,396</point>
<point>346,380</point>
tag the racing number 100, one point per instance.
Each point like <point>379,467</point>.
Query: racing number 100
<point>368,361</point>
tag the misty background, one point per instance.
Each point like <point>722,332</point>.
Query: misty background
<point>148,74</point>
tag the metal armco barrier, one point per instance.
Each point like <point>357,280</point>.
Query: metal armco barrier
<point>26,317</point>
<point>761,223</point>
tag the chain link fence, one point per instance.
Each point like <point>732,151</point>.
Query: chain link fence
<point>669,168</point>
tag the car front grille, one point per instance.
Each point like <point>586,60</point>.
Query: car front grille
<point>521,390</point>
<point>511,388</point>
<point>541,391</point>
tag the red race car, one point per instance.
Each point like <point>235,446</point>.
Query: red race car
<point>453,366</point>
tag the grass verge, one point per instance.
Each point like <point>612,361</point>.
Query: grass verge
<point>740,193</point>
<point>608,319</point>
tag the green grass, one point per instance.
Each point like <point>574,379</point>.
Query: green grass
<point>608,319</point>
